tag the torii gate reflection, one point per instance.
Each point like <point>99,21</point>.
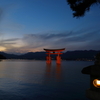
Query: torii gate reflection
<point>54,51</point>
<point>53,72</point>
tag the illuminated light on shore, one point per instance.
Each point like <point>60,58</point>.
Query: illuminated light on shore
<point>96,83</point>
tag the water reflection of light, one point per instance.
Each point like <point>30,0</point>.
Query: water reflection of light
<point>58,71</point>
<point>48,70</point>
<point>53,73</point>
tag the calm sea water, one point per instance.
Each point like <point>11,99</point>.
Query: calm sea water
<point>34,80</point>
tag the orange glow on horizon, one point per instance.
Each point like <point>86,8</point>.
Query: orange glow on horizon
<point>2,48</point>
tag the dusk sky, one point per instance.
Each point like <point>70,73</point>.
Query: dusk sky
<point>31,25</point>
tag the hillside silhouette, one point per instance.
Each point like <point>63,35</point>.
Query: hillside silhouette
<point>2,57</point>
<point>69,55</point>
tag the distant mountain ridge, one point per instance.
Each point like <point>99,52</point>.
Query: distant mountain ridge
<point>80,55</point>
<point>69,55</point>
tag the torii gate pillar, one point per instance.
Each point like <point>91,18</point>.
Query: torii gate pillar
<point>54,51</point>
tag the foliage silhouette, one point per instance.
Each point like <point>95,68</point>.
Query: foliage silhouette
<point>80,7</point>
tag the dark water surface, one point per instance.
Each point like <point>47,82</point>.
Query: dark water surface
<point>34,80</point>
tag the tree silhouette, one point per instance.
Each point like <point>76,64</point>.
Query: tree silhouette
<point>81,6</point>
<point>2,57</point>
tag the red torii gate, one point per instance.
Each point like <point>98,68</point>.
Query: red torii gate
<point>54,51</point>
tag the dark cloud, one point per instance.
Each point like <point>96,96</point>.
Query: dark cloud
<point>85,37</point>
<point>61,39</point>
<point>8,42</point>
<point>14,39</point>
<point>73,40</point>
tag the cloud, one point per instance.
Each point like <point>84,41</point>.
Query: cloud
<point>71,40</point>
<point>14,39</point>
<point>59,40</point>
<point>10,44</point>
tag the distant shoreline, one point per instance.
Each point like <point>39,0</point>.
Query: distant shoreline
<point>38,60</point>
<point>78,55</point>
